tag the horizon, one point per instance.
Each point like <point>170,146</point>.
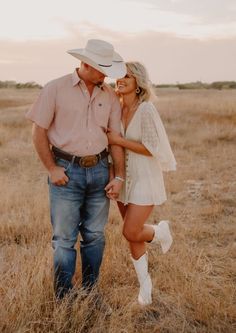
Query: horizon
<point>112,82</point>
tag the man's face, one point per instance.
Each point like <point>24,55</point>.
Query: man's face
<point>94,76</point>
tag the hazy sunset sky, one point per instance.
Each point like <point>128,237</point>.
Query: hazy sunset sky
<point>177,40</point>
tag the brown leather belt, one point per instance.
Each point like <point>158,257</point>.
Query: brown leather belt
<point>84,161</point>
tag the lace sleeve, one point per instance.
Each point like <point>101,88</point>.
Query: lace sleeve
<point>154,137</point>
<point>150,137</point>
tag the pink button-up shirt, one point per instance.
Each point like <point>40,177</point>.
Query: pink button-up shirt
<point>76,122</point>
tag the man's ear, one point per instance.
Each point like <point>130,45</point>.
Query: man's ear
<point>84,65</point>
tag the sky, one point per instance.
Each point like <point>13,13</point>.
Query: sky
<point>177,40</point>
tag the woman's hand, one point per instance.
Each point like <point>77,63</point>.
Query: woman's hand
<point>114,138</point>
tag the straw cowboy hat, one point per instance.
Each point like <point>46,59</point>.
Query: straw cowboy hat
<point>101,56</point>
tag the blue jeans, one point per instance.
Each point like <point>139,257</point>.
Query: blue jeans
<point>80,206</point>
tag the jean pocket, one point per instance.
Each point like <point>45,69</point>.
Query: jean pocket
<point>63,163</point>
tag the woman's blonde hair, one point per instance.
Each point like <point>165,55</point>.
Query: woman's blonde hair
<point>144,89</point>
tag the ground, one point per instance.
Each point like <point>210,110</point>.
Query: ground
<point>194,283</point>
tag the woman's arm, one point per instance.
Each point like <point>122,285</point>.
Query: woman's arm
<point>137,147</point>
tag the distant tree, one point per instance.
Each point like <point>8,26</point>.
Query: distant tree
<point>14,84</point>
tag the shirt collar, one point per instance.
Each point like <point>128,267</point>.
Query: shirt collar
<point>75,78</point>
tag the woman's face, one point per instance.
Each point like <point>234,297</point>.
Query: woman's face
<point>127,84</point>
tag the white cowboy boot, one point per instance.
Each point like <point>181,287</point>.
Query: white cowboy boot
<point>162,235</point>
<point>145,291</point>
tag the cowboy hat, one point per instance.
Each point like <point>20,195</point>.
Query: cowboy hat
<point>101,56</point>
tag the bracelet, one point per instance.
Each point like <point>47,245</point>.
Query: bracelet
<point>119,178</point>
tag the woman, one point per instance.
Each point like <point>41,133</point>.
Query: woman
<point>148,153</point>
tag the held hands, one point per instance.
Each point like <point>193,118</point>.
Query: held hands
<point>57,176</point>
<point>113,188</point>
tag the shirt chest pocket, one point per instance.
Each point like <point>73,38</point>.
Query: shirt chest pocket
<point>101,115</point>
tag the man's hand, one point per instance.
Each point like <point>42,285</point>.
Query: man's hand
<point>57,176</point>
<point>113,189</point>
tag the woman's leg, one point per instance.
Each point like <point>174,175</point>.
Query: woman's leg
<point>135,230</point>
<point>137,233</point>
<point>122,209</point>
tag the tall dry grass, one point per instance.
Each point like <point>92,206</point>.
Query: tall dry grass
<point>194,284</point>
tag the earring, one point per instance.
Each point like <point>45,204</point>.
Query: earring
<point>137,90</point>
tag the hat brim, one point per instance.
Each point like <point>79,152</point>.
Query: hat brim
<point>115,71</point>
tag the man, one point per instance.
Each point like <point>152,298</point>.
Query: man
<point>71,117</point>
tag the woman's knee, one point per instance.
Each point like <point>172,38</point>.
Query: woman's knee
<point>131,234</point>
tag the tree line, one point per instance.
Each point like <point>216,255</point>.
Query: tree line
<point>14,84</point>
<point>200,85</point>
<point>191,85</point>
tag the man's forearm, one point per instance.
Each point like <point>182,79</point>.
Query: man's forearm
<point>118,157</point>
<point>41,143</point>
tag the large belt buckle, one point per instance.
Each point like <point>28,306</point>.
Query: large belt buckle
<point>88,161</point>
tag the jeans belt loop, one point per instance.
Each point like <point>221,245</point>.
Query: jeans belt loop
<point>73,160</point>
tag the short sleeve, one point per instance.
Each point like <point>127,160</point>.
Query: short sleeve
<point>43,110</point>
<point>150,137</point>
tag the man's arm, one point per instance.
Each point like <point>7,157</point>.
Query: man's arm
<point>114,186</point>
<point>117,152</point>
<point>40,139</point>
<point>118,157</point>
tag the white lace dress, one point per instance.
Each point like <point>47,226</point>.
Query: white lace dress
<point>144,184</point>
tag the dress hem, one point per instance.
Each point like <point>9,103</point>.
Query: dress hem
<point>142,204</point>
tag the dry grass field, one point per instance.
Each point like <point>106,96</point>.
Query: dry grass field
<point>194,284</point>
